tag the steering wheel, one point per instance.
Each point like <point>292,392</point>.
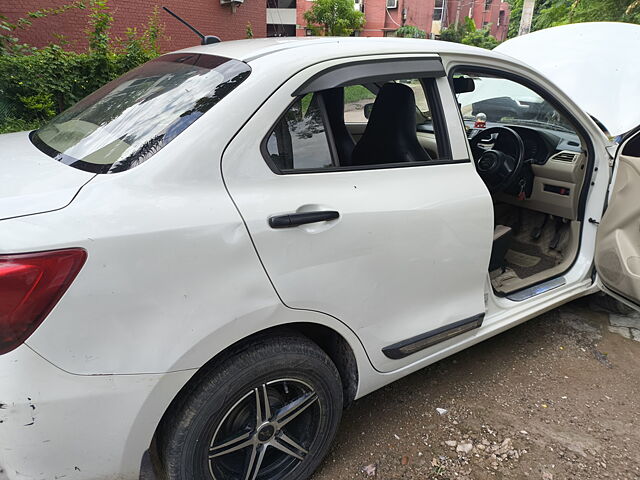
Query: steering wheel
<point>500,162</point>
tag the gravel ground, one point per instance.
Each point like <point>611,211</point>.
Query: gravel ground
<point>555,398</point>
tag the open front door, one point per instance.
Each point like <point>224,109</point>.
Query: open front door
<point>618,240</point>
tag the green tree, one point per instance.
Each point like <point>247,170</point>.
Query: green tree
<point>552,13</point>
<point>335,17</point>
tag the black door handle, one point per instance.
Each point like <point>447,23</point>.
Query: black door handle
<point>295,219</point>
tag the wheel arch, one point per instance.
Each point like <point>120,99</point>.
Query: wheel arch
<point>332,342</point>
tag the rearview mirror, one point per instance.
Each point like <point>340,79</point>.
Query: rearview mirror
<point>367,110</point>
<point>463,85</point>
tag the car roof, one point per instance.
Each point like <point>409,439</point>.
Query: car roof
<point>317,49</point>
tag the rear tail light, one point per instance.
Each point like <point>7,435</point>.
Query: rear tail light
<point>30,286</point>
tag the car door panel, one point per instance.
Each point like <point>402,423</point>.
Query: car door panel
<point>618,240</point>
<point>407,255</point>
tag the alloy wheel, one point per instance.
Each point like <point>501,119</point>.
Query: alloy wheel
<point>267,433</point>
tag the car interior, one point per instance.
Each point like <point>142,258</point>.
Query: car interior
<point>532,160</point>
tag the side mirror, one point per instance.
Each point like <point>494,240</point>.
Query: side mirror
<point>367,110</point>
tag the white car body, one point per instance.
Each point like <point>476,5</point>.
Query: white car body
<point>181,261</point>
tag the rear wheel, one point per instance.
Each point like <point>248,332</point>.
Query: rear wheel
<point>270,411</point>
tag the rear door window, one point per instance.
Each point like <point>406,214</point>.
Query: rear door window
<point>313,136</point>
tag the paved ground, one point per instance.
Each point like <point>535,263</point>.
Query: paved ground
<point>556,398</point>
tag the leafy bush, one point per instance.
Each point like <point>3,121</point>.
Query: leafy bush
<point>410,31</point>
<point>480,38</point>
<point>469,34</point>
<point>454,33</point>
<point>37,84</point>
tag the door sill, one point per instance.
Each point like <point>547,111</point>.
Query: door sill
<point>538,289</point>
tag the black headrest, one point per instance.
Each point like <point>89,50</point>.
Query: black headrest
<point>390,136</point>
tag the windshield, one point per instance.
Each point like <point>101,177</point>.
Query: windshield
<point>507,102</point>
<point>127,121</point>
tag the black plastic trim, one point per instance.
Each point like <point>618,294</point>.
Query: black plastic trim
<point>372,71</point>
<point>412,345</point>
<point>296,219</point>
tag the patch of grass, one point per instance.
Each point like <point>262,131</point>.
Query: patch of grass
<point>352,94</point>
<point>355,93</point>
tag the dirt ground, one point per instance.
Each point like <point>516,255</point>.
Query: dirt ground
<point>555,398</point>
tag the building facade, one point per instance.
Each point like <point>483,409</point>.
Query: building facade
<point>212,17</point>
<point>384,17</point>
<point>229,19</point>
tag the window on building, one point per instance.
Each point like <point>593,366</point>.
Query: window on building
<point>437,11</point>
<point>281,3</point>
<point>487,4</point>
<point>279,30</point>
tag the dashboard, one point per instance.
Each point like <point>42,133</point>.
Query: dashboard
<point>557,162</point>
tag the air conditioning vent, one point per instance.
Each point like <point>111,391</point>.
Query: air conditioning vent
<point>392,3</point>
<point>569,157</point>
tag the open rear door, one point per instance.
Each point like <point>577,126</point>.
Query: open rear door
<point>618,241</point>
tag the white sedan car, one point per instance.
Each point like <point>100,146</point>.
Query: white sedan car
<point>210,257</point>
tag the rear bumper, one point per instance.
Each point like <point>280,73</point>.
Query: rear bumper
<point>57,425</point>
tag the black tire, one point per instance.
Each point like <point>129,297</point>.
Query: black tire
<point>220,404</point>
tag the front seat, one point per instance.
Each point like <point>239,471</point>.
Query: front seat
<point>390,136</point>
